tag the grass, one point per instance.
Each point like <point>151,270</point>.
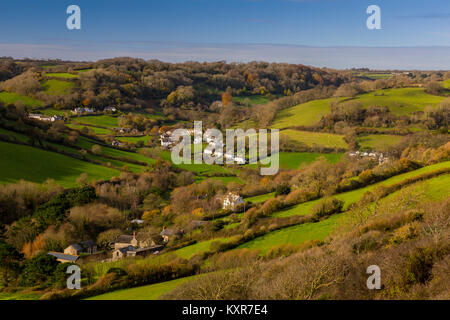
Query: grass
<point>19,296</point>
<point>261,198</point>
<point>402,101</point>
<point>58,87</point>
<point>36,165</point>
<point>305,114</point>
<point>51,112</point>
<point>96,130</point>
<point>133,139</point>
<point>434,189</point>
<point>378,142</point>
<point>102,121</point>
<point>315,138</point>
<point>355,195</point>
<point>150,292</point>
<point>204,246</point>
<point>12,97</point>
<point>295,234</point>
<point>64,75</point>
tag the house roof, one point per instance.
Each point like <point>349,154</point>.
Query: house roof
<point>63,256</point>
<point>76,246</point>
<point>88,243</point>
<point>126,249</point>
<point>157,247</point>
<point>124,238</point>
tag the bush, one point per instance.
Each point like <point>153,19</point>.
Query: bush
<point>326,207</point>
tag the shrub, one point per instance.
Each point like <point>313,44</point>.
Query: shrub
<point>326,207</point>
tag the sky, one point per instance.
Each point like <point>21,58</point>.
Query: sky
<point>414,34</point>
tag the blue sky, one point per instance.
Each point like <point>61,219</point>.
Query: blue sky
<point>234,30</point>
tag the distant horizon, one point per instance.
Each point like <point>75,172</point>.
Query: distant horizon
<point>336,57</point>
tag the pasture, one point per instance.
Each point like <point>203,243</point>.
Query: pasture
<point>36,165</point>
<point>378,142</point>
<point>64,75</point>
<point>57,87</point>
<point>305,114</point>
<point>102,121</point>
<point>312,139</point>
<point>12,97</point>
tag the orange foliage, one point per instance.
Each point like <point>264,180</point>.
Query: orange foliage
<point>226,98</point>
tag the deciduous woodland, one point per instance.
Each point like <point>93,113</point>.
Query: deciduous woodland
<point>86,178</point>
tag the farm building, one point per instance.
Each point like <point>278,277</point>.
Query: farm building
<point>63,258</point>
<point>232,201</point>
<point>82,247</point>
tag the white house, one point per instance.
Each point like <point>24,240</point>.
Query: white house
<point>231,201</point>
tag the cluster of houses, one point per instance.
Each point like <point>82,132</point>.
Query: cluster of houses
<point>110,109</point>
<point>42,117</point>
<point>124,246</point>
<point>82,110</point>
<point>379,156</point>
<point>117,143</point>
<point>167,142</point>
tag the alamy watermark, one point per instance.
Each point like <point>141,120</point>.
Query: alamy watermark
<point>73,22</point>
<point>214,153</point>
<point>74,281</point>
<point>374,281</point>
<point>374,20</point>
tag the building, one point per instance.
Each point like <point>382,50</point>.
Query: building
<point>63,258</point>
<point>232,201</point>
<point>110,109</point>
<point>124,241</point>
<point>43,117</point>
<point>82,247</point>
<point>142,252</point>
<point>122,252</point>
<point>82,110</point>
<point>168,234</point>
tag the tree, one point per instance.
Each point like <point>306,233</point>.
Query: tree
<point>10,260</point>
<point>83,179</point>
<point>39,270</point>
<point>96,149</point>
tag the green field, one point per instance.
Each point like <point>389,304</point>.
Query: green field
<point>261,198</point>
<point>133,139</point>
<point>355,195</point>
<point>434,190</point>
<point>64,75</point>
<point>295,234</point>
<point>150,292</point>
<point>58,87</point>
<point>378,142</point>
<point>11,98</point>
<point>254,99</point>
<point>102,121</point>
<point>23,162</point>
<point>400,101</point>
<point>96,130</point>
<point>305,114</point>
<point>19,296</point>
<point>204,246</point>
<point>315,138</point>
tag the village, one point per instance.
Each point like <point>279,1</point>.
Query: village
<point>138,245</point>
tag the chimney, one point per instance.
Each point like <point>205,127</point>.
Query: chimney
<point>134,235</point>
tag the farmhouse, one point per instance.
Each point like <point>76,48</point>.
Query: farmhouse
<point>232,201</point>
<point>168,234</point>
<point>122,252</point>
<point>63,258</point>
<point>42,117</point>
<point>82,247</point>
<point>124,241</point>
<point>110,109</point>
<point>82,110</point>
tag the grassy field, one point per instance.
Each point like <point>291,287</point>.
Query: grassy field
<point>204,246</point>
<point>96,130</point>
<point>400,101</point>
<point>150,292</point>
<point>261,198</point>
<point>292,160</point>
<point>378,142</point>
<point>295,234</point>
<point>51,112</point>
<point>305,114</point>
<point>254,99</point>
<point>58,87</point>
<point>355,195</point>
<point>11,97</point>
<point>36,165</point>
<point>64,75</point>
<point>133,139</point>
<point>315,138</point>
<point>19,296</point>
<point>434,190</point>
<point>102,121</point>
